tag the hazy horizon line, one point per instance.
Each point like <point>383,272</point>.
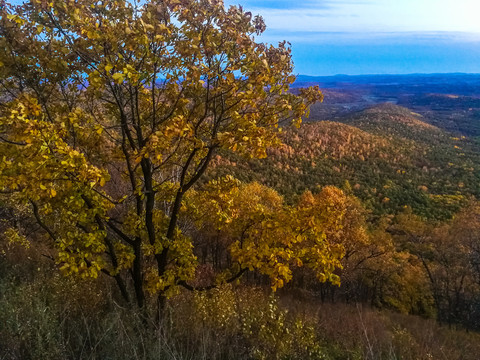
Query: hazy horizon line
<point>392,74</point>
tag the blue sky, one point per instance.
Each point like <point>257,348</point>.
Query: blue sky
<point>355,37</point>
<point>374,36</point>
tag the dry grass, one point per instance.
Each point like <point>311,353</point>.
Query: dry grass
<point>45,316</point>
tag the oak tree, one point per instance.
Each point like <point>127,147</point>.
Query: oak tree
<point>110,113</point>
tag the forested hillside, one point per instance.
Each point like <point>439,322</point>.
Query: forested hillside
<point>417,187</point>
<point>386,155</point>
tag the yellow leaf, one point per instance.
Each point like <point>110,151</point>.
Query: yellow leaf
<point>118,78</point>
<point>53,193</point>
<point>92,34</point>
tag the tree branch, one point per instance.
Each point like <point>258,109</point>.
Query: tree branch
<point>40,222</point>
<point>210,287</point>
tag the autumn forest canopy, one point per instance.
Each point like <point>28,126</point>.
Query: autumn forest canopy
<point>153,154</point>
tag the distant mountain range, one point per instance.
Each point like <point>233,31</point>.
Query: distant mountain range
<point>455,79</point>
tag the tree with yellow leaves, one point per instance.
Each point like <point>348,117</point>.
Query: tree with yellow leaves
<point>262,233</point>
<point>110,114</point>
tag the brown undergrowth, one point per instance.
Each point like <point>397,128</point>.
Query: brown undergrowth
<point>46,316</point>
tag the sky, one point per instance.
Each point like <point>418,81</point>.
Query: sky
<point>355,37</point>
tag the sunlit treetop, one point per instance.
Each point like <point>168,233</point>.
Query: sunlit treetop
<point>111,112</point>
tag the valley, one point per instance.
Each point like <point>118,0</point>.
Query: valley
<point>419,153</point>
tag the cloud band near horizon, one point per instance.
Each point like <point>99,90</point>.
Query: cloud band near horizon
<point>374,36</point>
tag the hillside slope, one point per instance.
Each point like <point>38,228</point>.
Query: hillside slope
<point>387,154</point>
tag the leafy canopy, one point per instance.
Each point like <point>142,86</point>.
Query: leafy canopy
<point>110,114</point>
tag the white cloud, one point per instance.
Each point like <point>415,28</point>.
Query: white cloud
<point>368,16</point>
<point>358,38</point>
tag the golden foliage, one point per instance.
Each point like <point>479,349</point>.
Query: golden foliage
<point>112,114</point>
